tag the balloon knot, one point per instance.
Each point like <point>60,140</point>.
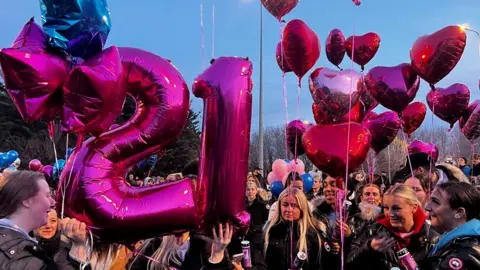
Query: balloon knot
<point>212,61</point>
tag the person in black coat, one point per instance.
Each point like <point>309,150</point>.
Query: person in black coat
<point>402,226</point>
<point>454,211</point>
<point>26,201</point>
<point>369,208</point>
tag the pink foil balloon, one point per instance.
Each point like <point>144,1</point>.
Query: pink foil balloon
<point>226,89</point>
<point>363,48</point>
<point>94,93</point>
<point>367,101</point>
<point>281,60</point>
<point>434,56</point>
<point>279,8</point>
<point>449,104</point>
<point>335,47</point>
<point>393,87</point>
<point>301,47</point>
<point>470,122</point>
<point>383,129</point>
<point>295,130</point>
<point>35,165</point>
<point>419,146</point>
<point>334,89</point>
<point>97,193</point>
<point>326,147</point>
<point>413,116</point>
<point>33,76</point>
<point>323,116</point>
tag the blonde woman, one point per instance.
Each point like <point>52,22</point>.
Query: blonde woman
<point>401,226</point>
<point>262,193</point>
<point>292,219</point>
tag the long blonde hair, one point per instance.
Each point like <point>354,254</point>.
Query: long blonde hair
<point>405,192</point>
<point>305,222</point>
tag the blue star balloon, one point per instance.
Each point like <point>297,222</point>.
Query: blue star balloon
<point>79,27</point>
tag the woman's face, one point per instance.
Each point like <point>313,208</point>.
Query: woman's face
<point>371,195</point>
<point>415,184</point>
<point>49,230</point>
<point>251,192</point>
<point>317,183</point>
<point>250,179</point>
<point>398,211</point>
<point>298,184</point>
<point>440,213</point>
<point>130,176</point>
<point>461,162</point>
<point>289,208</point>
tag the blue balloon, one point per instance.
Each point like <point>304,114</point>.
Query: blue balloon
<point>80,27</point>
<point>69,152</point>
<point>307,182</point>
<point>287,160</point>
<point>3,160</point>
<point>12,156</point>
<point>58,168</point>
<point>276,188</point>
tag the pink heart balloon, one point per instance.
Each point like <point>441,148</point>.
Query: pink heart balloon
<point>413,116</point>
<point>301,47</point>
<point>279,8</point>
<point>383,128</point>
<point>335,47</point>
<point>434,56</point>
<point>470,122</point>
<point>419,146</point>
<point>295,130</point>
<point>330,155</point>
<point>449,104</point>
<point>367,101</point>
<point>393,87</point>
<point>362,49</point>
<point>323,116</point>
<point>335,90</point>
<point>33,75</point>
<point>281,60</point>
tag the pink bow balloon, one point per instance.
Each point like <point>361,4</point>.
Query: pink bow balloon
<point>33,76</point>
<point>281,60</point>
<point>413,116</point>
<point>94,94</point>
<point>393,87</point>
<point>335,90</point>
<point>434,56</point>
<point>383,129</point>
<point>279,8</point>
<point>362,49</point>
<point>97,193</point>
<point>419,146</point>
<point>326,147</point>
<point>449,104</point>
<point>335,47</point>
<point>294,131</point>
<point>301,47</point>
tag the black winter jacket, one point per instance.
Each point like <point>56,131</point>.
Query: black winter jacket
<point>463,253</point>
<point>19,252</point>
<point>278,255</point>
<point>362,256</point>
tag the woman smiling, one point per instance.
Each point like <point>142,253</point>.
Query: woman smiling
<point>401,226</point>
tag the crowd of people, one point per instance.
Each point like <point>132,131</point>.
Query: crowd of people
<point>426,216</point>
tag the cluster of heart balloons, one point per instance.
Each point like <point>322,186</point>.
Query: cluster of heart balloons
<point>344,100</point>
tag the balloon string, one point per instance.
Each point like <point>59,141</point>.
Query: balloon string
<point>284,90</point>
<point>389,167</point>
<point>478,40</point>
<point>213,31</point>
<point>430,173</point>
<point>66,147</point>
<point>202,37</point>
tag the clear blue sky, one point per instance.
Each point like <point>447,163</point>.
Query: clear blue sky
<point>171,29</point>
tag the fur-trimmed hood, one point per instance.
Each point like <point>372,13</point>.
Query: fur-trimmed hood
<point>452,173</point>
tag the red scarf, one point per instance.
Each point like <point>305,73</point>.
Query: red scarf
<point>418,221</point>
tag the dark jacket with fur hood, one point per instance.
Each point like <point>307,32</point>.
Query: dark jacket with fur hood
<point>451,172</point>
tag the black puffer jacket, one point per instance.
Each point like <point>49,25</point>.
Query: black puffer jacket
<point>19,252</point>
<point>458,249</point>
<point>362,256</point>
<point>278,255</point>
